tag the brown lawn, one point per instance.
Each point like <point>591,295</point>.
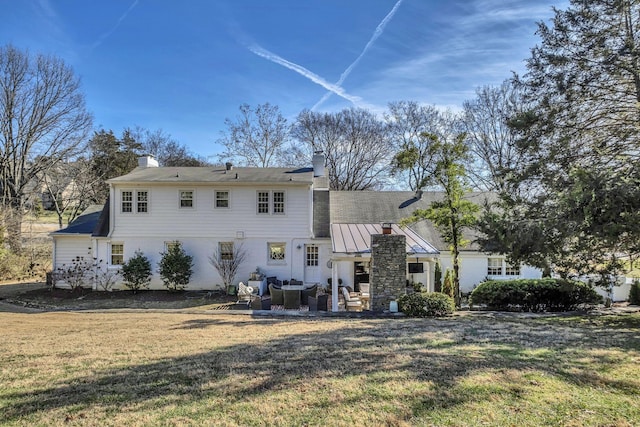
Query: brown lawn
<point>164,368</point>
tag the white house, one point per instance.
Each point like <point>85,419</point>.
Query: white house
<point>286,219</point>
<point>375,207</point>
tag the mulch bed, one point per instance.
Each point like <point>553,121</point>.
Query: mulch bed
<point>87,299</point>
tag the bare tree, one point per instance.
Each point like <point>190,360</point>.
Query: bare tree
<point>227,262</point>
<point>492,141</point>
<point>355,143</point>
<point>71,187</point>
<point>257,137</point>
<point>165,149</point>
<point>43,119</point>
<point>408,122</point>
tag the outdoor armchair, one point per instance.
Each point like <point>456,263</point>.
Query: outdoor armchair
<point>351,302</point>
<point>306,293</point>
<point>291,299</point>
<point>244,292</point>
<point>277,295</point>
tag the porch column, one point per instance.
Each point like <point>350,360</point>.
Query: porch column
<point>334,286</point>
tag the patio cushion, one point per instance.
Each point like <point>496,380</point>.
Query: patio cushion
<point>306,293</point>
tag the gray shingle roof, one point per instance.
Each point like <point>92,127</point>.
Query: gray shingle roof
<point>83,224</point>
<point>102,227</point>
<point>368,207</point>
<point>190,174</point>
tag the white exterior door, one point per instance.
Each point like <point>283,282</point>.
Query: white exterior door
<point>312,264</point>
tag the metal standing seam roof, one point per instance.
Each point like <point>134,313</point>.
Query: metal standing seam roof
<point>356,238</point>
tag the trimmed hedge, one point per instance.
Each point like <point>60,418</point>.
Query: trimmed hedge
<point>426,304</point>
<point>534,294</point>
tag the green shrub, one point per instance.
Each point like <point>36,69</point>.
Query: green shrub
<point>136,272</point>
<point>175,267</point>
<point>447,286</point>
<point>426,304</point>
<point>634,292</point>
<point>534,294</point>
<point>437,274</point>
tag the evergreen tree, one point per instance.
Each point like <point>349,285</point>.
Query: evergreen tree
<point>453,214</point>
<point>136,272</point>
<point>175,267</point>
<point>576,199</point>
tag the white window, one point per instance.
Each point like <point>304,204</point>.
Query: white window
<point>186,199</point>
<point>277,253</point>
<point>263,202</point>
<point>312,256</point>
<point>278,202</point>
<point>225,249</point>
<point>222,199</point>
<point>170,245</point>
<point>511,270</point>
<point>127,201</point>
<point>500,267</point>
<point>142,198</point>
<point>273,202</point>
<point>117,253</point>
<point>494,267</point>
<point>130,199</point>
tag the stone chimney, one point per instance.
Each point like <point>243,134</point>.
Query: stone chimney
<point>318,164</point>
<point>388,276</point>
<point>147,162</point>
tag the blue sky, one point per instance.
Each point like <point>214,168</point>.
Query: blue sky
<point>185,66</point>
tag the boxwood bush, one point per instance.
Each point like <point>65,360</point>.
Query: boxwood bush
<point>426,304</point>
<point>534,294</point>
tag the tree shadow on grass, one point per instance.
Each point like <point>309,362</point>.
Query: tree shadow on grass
<point>432,357</point>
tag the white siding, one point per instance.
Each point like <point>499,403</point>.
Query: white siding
<point>200,228</point>
<point>473,269</point>
<point>67,248</point>
<point>165,218</point>
<point>205,276</point>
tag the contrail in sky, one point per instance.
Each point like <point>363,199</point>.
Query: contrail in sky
<point>115,27</point>
<point>377,33</point>
<point>260,51</point>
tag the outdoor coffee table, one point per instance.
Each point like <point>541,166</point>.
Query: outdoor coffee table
<point>292,287</point>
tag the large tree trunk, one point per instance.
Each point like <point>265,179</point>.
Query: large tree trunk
<point>12,220</point>
<point>456,275</point>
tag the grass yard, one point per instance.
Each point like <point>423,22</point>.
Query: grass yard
<point>160,368</point>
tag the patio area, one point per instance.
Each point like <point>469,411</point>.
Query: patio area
<point>301,298</point>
